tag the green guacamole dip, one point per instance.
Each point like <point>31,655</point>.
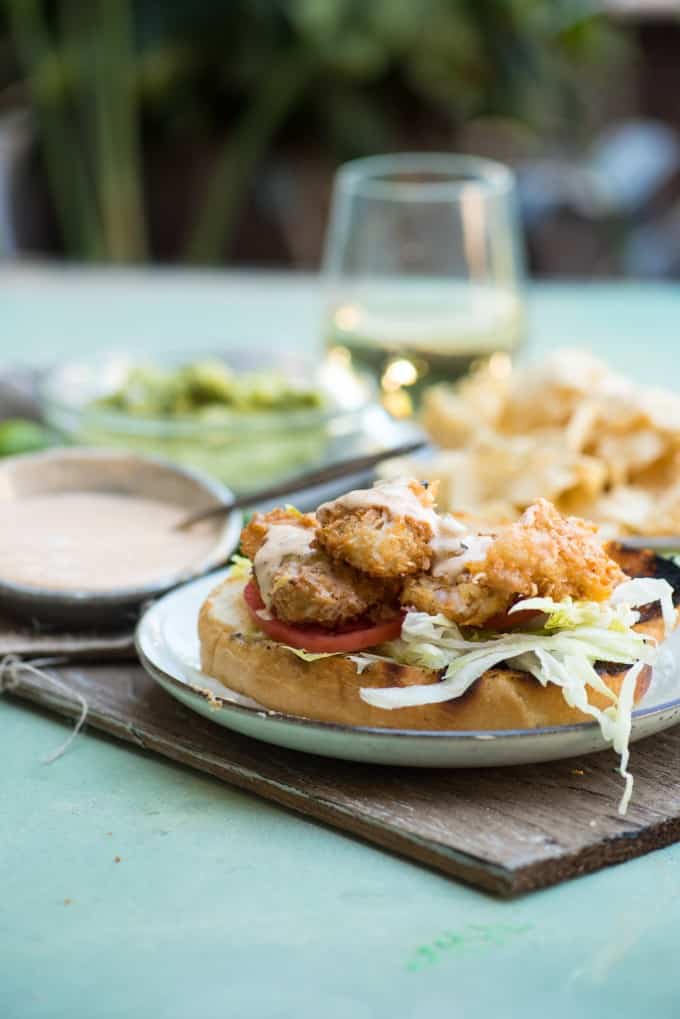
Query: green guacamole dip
<point>204,390</point>
<point>245,428</point>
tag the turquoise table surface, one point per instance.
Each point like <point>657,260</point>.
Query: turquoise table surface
<point>131,887</point>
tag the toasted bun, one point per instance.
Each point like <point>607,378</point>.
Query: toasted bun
<point>328,689</point>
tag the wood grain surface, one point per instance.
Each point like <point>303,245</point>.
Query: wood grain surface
<point>506,830</point>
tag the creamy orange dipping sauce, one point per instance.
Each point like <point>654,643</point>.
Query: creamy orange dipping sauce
<point>91,541</point>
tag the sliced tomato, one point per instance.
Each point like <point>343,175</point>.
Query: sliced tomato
<point>317,639</point>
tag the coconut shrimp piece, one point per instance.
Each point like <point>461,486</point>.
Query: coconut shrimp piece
<point>254,533</point>
<point>542,554</point>
<point>384,531</point>
<point>301,584</point>
<point>467,601</point>
<point>549,555</point>
<point>319,590</point>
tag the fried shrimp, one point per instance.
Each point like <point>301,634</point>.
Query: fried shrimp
<point>301,584</point>
<point>255,531</point>
<point>372,549</point>
<point>542,554</point>
<point>384,531</point>
<point>317,590</point>
<point>466,601</point>
<point>549,555</point>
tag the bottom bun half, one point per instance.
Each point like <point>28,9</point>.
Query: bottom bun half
<point>328,689</point>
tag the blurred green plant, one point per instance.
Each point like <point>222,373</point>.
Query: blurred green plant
<point>103,76</point>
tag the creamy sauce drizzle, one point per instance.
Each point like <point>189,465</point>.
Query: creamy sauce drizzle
<point>447,537</point>
<point>452,544</point>
<point>473,548</point>
<point>96,541</point>
<point>281,540</point>
<point>394,496</point>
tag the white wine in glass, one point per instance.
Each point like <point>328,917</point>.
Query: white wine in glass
<point>424,269</point>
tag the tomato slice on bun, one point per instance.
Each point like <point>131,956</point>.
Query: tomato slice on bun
<point>316,639</point>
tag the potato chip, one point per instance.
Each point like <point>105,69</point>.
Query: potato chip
<point>567,429</point>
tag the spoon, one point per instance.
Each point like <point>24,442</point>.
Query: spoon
<point>331,472</point>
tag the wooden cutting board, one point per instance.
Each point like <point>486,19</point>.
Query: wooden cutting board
<point>506,830</point>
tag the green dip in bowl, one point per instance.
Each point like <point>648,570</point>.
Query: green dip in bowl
<point>247,417</point>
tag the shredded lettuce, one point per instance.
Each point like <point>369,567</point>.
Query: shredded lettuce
<point>309,656</point>
<point>644,591</point>
<point>421,653</point>
<point>241,567</point>
<point>562,647</point>
<point>362,659</point>
<point>623,725</point>
<point>568,614</point>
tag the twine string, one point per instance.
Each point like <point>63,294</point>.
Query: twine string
<point>12,665</point>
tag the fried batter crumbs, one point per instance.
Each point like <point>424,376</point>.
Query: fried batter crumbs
<point>366,557</point>
<point>549,555</point>
<point>254,533</point>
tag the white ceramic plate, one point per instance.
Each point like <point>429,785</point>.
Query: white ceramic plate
<point>167,644</point>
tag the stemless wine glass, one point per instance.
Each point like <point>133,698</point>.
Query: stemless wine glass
<point>424,267</point>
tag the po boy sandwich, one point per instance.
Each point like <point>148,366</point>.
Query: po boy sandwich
<point>378,611</point>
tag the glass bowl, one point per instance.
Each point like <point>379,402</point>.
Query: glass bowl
<point>242,449</point>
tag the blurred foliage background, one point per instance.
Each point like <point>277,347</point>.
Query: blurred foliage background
<point>207,131</point>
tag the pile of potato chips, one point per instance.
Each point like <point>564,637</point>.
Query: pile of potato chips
<point>568,429</point>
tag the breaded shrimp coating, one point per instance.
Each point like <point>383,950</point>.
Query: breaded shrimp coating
<point>255,531</point>
<point>466,601</point>
<point>549,555</point>
<point>542,554</point>
<point>301,584</point>
<point>317,590</point>
<point>384,531</point>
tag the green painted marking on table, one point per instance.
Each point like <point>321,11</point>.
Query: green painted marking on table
<point>471,938</point>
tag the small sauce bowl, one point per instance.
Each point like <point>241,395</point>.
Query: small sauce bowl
<point>120,473</point>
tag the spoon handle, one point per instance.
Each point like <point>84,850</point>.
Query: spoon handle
<point>658,543</point>
<point>332,472</point>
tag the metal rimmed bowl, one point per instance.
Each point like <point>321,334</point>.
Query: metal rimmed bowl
<point>244,449</point>
<point>122,473</point>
